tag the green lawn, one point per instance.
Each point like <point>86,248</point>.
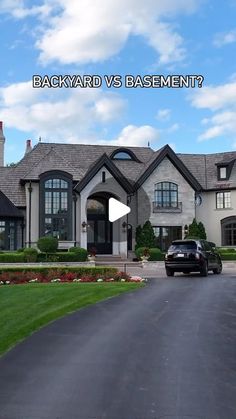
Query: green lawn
<point>26,308</point>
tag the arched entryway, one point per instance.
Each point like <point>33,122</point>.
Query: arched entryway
<point>99,231</point>
<point>228,231</point>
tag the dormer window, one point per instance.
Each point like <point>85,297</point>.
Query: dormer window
<point>224,169</point>
<point>222,172</point>
<point>124,154</point>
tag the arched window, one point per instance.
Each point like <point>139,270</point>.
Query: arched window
<point>56,205</point>
<point>228,229</point>
<point>124,154</point>
<point>166,195</point>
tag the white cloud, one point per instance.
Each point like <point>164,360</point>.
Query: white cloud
<point>58,114</point>
<point>133,135</point>
<point>225,38</point>
<point>215,98</point>
<point>173,128</point>
<point>83,31</point>
<point>221,101</point>
<point>163,114</point>
<point>18,9</point>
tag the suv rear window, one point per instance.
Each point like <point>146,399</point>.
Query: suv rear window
<point>183,246</point>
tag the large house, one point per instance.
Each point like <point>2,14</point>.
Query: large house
<point>63,190</point>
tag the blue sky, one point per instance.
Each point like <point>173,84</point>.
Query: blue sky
<point>120,37</point>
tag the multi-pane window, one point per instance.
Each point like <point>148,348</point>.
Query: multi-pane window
<point>56,202</point>
<point>166,195</point>
<point>223,200</point>
<point>229,231</point>
<point>165,235</point>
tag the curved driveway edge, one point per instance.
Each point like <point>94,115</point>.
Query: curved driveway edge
<point>166,351</point>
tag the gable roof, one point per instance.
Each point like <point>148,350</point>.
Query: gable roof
<point>7,208</point>
<point>104,161</point>
<point>170,154</point>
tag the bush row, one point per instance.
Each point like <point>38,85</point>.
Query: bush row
<point>228,256</point>
<point>75,254</point>
<point>153,253</point>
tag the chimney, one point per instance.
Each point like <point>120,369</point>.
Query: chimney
<point>2,142</point>
<point>28,146</point>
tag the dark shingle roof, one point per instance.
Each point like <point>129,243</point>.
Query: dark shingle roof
<point>77,159</point>
<point>7,208</point>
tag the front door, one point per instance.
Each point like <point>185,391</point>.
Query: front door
<point>99,229</point>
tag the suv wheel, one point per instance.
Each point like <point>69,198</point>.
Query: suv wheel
<point>218,270</point>
<point>169,272</point>
<point>204,269</point>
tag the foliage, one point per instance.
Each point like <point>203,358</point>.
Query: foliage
<point>139,252</point>
<point>145,236</point>
<point>155,254</point>
<point>30,254</point>
<point>92,251</point>
<point>202,231</point>
<point>196,231</point>
<point>138,236</point>
<point>47,244</point>
<point>80,254</point>
<point>45,274</point>
<point>12,258</point>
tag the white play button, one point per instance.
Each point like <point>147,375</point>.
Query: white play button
<point>117,210</point>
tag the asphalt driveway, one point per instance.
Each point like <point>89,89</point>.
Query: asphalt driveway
<point>166,352</point>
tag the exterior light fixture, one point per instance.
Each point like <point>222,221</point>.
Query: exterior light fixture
<point>84,226</point>
<point>124,226</point>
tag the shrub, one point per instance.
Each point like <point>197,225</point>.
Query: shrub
<point>228,256</point>
<point>47,244</point>
<point>12,258</point>
<point>80,254</point>
<point>155,254</point>
<point>140,252</point>
<point>30,254</point>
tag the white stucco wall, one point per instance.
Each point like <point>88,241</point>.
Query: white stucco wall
<point>211,217</point>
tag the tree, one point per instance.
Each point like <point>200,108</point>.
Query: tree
<point>202,231</point>
<point>193,230</point>
<point>145,236</point>
<point>138,236</point>
<point>196,230</point>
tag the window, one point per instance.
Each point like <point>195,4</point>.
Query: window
<point>229,231</point>
<point>166,195</point>
<point>124,154</point>
<point>165,235</point>
<point>223,200</point>
<point>223,173</point>
<point>55,205</point>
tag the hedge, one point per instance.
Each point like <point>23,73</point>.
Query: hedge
<point>12,258</point>
<point>29,255</point>
<point>155,253</point>
<point>228,256</point>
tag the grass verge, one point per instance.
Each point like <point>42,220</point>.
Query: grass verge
<point>26,308</point>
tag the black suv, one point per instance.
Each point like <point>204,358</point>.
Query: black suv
<point>192,256</point>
